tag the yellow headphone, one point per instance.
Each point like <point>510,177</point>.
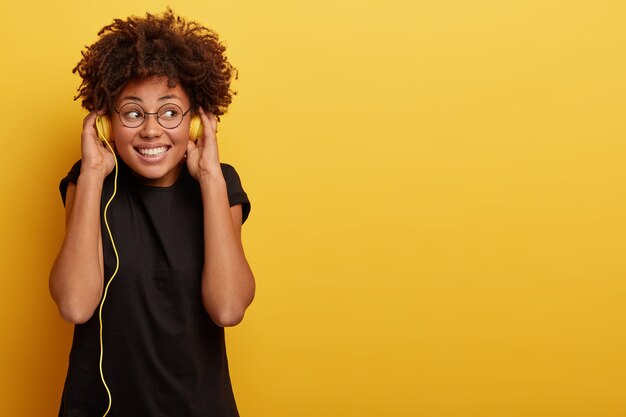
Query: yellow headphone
<point>103,126</point>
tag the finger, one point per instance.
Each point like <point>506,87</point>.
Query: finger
<point>191,145</point>
<point>90,119</point>
<point>89,132</point>
<point>207,146</point>
<point>209,120</point>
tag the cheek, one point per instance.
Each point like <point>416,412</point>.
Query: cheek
<point>120,141</point>
<point>182,135</point>
<point>118,132</point>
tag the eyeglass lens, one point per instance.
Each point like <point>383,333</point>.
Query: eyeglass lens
<point>169,115</point>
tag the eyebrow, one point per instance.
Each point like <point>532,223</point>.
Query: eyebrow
<point>170,96</point>
<point>135,98</point>
<point>167,97</point>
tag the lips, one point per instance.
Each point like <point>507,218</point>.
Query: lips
<point>154,152</point>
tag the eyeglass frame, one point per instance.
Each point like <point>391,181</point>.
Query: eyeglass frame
<point>156,114</point>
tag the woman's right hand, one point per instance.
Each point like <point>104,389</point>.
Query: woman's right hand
<point>96,156</point>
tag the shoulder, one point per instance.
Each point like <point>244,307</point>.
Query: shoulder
<point>228,170</point>
<point>236,192</point>
<point>71,177</point>
<point>233,181</point>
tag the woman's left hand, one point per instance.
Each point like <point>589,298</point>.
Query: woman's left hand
<point>202,156</point>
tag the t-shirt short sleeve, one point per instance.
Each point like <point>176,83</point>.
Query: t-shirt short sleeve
<point>236,194</point>
<point>71,176</point>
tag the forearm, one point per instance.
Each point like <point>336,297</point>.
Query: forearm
<point>76,278</point>
<point>227,281</point>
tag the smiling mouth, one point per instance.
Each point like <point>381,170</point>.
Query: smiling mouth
<point>152,152</point>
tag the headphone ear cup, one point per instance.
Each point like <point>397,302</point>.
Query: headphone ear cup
<point>103,127</point>
<point>195,128</point>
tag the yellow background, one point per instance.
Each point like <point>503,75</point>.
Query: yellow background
<point>438,223</point>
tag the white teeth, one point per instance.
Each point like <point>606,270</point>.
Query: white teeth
<point>152,151</point>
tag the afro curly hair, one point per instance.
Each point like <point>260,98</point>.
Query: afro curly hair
<point>167,45</point>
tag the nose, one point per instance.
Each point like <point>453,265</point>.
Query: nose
<point>150,128</point>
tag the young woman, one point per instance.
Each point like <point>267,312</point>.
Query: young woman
<point>152,277</point>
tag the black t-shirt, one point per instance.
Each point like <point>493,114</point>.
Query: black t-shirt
<point>163,355</point>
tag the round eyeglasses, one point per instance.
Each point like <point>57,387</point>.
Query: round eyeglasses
<point>169,115</point>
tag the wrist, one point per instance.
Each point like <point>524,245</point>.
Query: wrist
<point>91,175</point>
<point>211,178</point>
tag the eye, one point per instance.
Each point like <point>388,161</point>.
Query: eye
<point>133,115</point>
<point>170,113</point>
